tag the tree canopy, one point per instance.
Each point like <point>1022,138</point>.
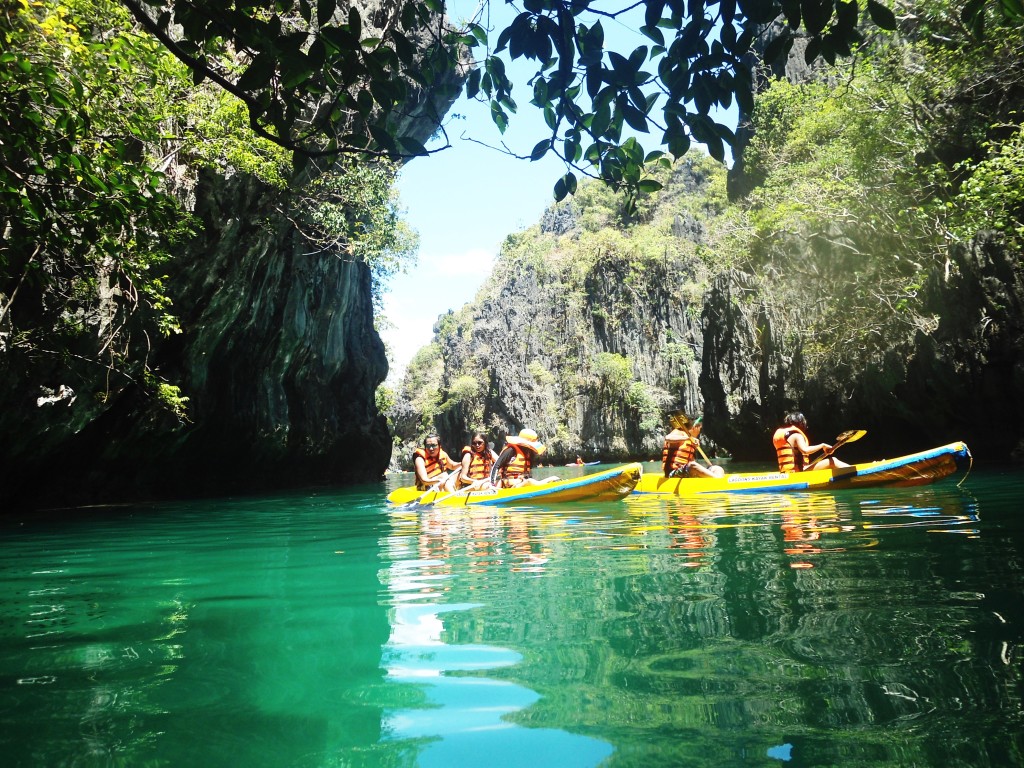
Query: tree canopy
<point>320,80</point>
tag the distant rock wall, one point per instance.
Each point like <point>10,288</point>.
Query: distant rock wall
<point>535,337</point>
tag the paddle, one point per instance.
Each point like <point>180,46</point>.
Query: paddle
<point>680,422</point>
<point>704,455</point>
<point>849,436</point>
<point>420,501</point>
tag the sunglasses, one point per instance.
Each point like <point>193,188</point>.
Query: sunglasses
<point>432,446</point>
<point>477,442</point>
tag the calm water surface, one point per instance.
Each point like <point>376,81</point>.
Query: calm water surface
<point>327,629</point>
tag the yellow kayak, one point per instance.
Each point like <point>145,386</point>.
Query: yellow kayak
<point>914,469</point>
<point>609,485</point>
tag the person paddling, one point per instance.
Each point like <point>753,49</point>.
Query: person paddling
<point>432,465</point>
<point>514,464</point>
<point>677,455</point>
<point>792,447</point>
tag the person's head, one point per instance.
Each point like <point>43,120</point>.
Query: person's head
<point>795,419</point>
<point>432,444</point>
<point>527,438</point>
<point>478,442</point>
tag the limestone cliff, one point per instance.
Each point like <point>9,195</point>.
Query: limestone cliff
<point>278,357</point>
<point>590,336</point>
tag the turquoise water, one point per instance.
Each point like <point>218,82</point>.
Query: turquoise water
<point>326,629</point>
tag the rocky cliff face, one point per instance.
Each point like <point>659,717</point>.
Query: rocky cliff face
<point>278,357</point>
<point>593,352</point>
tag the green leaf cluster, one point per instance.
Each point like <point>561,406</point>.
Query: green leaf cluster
<point>315,78</point>
<point>866,178</point>
<point>87,222</point>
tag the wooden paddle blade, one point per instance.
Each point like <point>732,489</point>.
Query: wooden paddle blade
<point>850,436</point>
<point>678,421</point>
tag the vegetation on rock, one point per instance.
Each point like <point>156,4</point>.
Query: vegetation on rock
<point>826,285</point>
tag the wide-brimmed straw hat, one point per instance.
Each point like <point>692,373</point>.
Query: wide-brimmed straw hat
<point>528,438</point>
<point>676,435</point>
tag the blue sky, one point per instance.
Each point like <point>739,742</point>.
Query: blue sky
<point>465,200</point>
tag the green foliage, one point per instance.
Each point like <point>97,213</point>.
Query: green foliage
<point>992,197</point>
<point>353,209</point>
<point>86,221</point>
<point>422,386</point>
<point>215,130</point>
<point>169,397</point>
<point>643,403</point>
<point>316,80</point>
<point>614,372</point>
<point>540,373</point>
<point>463,389</point>
<point>384,398</point>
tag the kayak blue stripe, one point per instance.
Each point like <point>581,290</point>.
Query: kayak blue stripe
<point>958,451</point>
<point>540,491</point>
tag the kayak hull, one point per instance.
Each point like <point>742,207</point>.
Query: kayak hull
<point>914,469</point>
<point>609,485</point>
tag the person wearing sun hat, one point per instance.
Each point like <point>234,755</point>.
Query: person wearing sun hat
<point>677,455</point>
<point>514,464</point>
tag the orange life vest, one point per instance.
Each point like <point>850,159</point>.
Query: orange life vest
<point>520,464</point>
<point>432,467</point>
<point>677,454</point>
<point>789,460</point>
<point>479,464</point>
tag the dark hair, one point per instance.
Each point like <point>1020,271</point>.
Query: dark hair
<point>432,436</point>
<point>479,435</point>
<point>795,419</point>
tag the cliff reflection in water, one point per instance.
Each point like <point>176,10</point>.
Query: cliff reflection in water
<point>703,630</point>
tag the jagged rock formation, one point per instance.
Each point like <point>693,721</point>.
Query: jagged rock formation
<point>592,352</point>
<point>278,356</point>
<point>590,334</point>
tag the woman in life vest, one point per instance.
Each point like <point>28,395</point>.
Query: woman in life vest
<point>432,465</point>
<point>477,460</point>
<point>792,446</point>
<point>677,455</point>
<point>514,465</point>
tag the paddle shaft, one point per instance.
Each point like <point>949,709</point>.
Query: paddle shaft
<point>850,436</point>
<point>704,455</point>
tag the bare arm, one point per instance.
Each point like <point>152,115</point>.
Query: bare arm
<point>799,443</point>
<point>420,467</point>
